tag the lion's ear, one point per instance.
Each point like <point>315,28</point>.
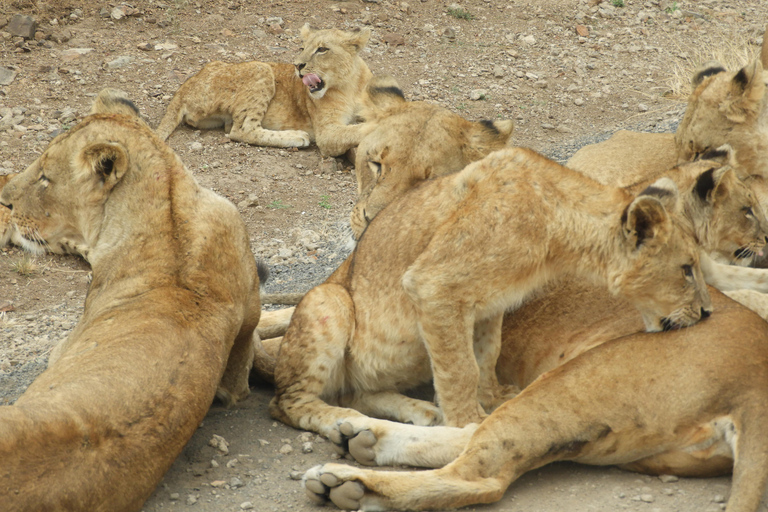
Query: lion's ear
<point>107,161</point>
<point>358,38</point>
<point>747,91</point>
<point>710,68</point>
<point>646,219</point>
<point>304,31</point>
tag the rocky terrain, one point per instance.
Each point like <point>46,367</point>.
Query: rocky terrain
<point>568,72</point>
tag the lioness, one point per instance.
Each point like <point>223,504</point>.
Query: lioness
<point>318,98</point>
<point>440,265</point>
<point>412,142</point>
<point>168,319</point>
<point>724,108</point>
<point>689,402</point>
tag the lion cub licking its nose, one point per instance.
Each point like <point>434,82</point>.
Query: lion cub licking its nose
<point>316,99</point>
<point>423,295</point>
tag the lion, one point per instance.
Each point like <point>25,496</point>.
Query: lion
<point>168,320</point>
<point>108,100</point>
<point>724,108</point>
<point>413,142</point>
<point>688,402</point>
<point>317,99</point>
<point>398,312</point>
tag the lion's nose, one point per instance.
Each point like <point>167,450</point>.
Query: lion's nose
<point>7,205</point>
<point>300,66</point>
<point>705,313</point>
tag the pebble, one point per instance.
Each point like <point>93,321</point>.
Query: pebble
<point>235,482</point>
<point>578,102</point>
<point>286,449</point>
<point>296,475</point>
<point>119,62</point>
<point>246,505</point>
<point>191,499</point>
<point>174,496</point>
<point>478,94</point>
<point>668,478</point>
<point>196,146</point>
<point>219,443</point>
<point>307,448</point>
<point>719,498</point>
<point>642,107</point>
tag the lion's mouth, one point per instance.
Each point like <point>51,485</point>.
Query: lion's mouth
<point>746,252</point>
<point>314,82</point>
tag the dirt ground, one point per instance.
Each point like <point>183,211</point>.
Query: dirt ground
<point>566,71</point>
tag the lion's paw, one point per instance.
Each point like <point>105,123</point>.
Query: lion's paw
<point>321,484</point>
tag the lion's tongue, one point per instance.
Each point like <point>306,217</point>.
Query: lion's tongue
<point>311,80</point>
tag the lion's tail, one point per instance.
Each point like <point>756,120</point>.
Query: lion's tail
<point>173,116</point>
<point>271,328</point>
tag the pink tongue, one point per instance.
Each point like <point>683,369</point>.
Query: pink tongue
<point>311,80</point>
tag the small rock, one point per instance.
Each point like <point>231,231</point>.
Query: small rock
<point>307,448</point>
<point>235,482</point>
<point>118,12</point>
<point>22,26</point>
<point>275,20</point>
<point>582,30</point>
<point>478,94</point>
<point>305,437</point>
<point>719,498</point>
<point>394,40</point>
<point>119,62</point>
<point>642,107</point>
<point>147,47</point>
<point>286,449</point>
<point>646,498</point>
<point>578,102</point>
<point>498,71</point>
<point>529,39</point>
<point>218,483</point>
<point>263,442</point>
<point>196,146</point>
<point>297,475</point>
<point>246,505</point>
<point>548,126</point>
<point>668,478</point>
<point>214,464</point>
<point>219,443</point>
<point>191,499</point>
<point>174,496</point>
<point>7,75</point>
<point>232,463</point>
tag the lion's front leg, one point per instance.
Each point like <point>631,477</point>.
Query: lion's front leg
<point>487,347</point>
<point>334,139</point>
<point>351,488</point>
<point>375,442</point>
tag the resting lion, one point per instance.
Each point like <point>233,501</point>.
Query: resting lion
<point>107,101</point>
<point>724,108</point>
<point>167,324</point>
<point>441,264</point>
<point>690,402</point>
<point>318,98</point>
<point>413,142</point>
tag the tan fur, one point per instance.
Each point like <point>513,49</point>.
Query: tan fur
<point>413,142</point>
<point>724,108</point>
<point>266,103</point>
<point>625,401</point>
<point>168,319</point>
<point>439,266</point>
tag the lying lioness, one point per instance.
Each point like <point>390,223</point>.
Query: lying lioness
<point>437,268</point>
<point>168,319</point>
<point>686,402</point>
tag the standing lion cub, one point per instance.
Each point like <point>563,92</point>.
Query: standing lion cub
<point>318,98</point>
<point>423,295</point>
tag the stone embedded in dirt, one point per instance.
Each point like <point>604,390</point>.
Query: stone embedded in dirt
<point>297,475</point>
<point>394,39</point>
<point>235,482</point>
<point>582,30</point>
<point>174,496</point>
<point>191,499</point>
<point>642,107</point>
<point>120,62</point>
<point>578,102</point>
<point>232,463</point>
<point>22,26</point>
<point>668,478</point>
<point>147,47</point>
<point>246,505</point>
<point>478,94</point>
<point>7,75</point>
<point>307,448</point>
<point>286,449</point>
<point>719,498</point>
<point>529,39</point>
<point>218,483</point>
<point>62,36</point>
<point>118,12</point>
<point>214,464</point>
<point>219,443</point>
<point>498,71</point>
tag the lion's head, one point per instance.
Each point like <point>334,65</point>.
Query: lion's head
<point>727,215</point>
<point>59,199</point>
<point>415,142</point>
<point>662,274</point>
<point>329,58</point>
<point>727,108</point>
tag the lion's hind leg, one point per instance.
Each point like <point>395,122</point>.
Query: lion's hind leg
<point>310,364</point>
<point>750,469</point>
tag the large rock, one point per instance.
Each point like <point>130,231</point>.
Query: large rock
<point>23,26</point>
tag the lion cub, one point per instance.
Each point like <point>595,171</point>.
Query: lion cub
<point>318,98</point>
<point>424,292</point>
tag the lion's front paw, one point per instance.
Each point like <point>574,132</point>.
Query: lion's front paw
<point>322,484</point>
<point>355,441</point>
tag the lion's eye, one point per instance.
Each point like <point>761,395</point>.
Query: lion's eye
<point>44,181</point>
<point>321,49</point>
<point>748,211</point>
<point>688,270</point>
